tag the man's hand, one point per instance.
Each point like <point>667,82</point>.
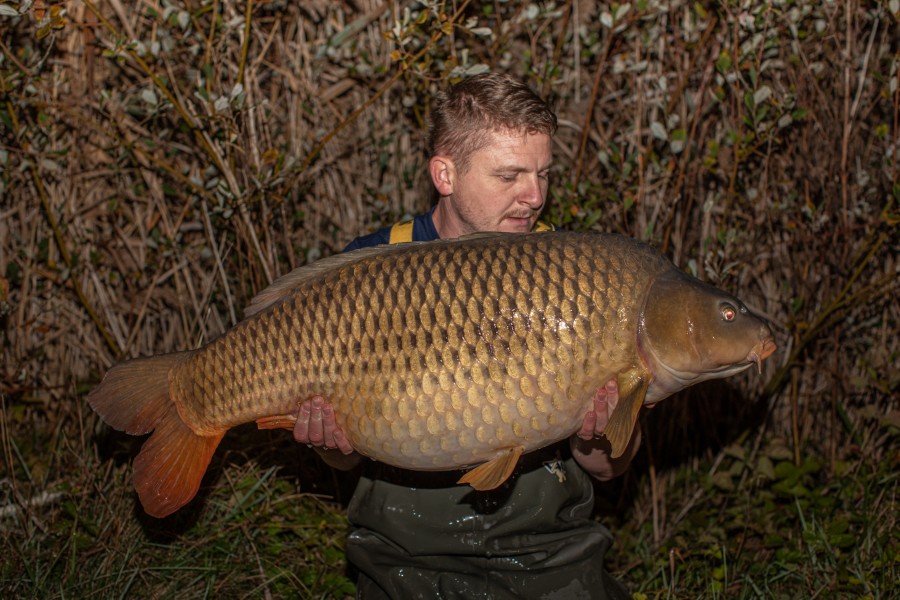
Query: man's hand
<point>316,426</point>
<point>590,449</point>
<point>605,401</point>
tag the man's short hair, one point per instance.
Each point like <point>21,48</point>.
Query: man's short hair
<point>463,118</point>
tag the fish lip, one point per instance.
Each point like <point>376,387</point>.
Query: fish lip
<point>761,351</point>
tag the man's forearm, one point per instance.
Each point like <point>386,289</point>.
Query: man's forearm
<point>337,459</point>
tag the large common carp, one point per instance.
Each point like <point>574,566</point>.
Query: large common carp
<point>439,355</point>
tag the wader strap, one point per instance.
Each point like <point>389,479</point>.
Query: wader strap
<point>401,232</point>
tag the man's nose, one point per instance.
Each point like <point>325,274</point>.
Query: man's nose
<point>533,195</point>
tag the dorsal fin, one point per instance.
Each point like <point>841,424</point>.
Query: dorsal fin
<point>286,284</point>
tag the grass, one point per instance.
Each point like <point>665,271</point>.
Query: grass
<point>251,533</point>
<point>774,529</point>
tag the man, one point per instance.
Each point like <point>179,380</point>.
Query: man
<point>420,535</point>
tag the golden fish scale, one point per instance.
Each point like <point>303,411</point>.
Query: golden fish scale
<point>435,356</point>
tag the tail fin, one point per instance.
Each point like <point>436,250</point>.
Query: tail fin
<point>134,397</point>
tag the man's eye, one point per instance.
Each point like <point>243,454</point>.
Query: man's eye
<point>508,178</point>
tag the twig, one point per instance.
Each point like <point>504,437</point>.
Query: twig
<point>845,138</point>
<point>826,316</point>
<point>42,499</point>
<point>435,37</point>
<point>57,235</point>
<point>557,49</point>
<point>262,572</point>
<point>200,135</point>
<point>245,43</point>
<point>595,92</point>
<point>211,234</point>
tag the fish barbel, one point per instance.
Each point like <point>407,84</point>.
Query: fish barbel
<point>438,355</point>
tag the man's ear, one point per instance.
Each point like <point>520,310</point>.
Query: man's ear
<point>443,174</point>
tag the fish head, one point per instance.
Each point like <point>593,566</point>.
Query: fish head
<point>690,332</point>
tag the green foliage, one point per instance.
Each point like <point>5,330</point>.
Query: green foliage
<point>765,527</point>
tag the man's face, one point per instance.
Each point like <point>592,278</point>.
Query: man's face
<point>504,188</point>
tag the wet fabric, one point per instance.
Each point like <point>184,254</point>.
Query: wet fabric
<point>420,535</point>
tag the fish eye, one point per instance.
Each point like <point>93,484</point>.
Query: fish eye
<point>728,312</point>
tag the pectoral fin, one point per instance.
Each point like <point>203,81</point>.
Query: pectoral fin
<point>494,472</point>
<point>632,391</point>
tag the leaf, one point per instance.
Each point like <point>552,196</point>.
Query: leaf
<point>149,96</point>
<point>837,526</point>
<point>8,11</point>
<point>892,419</point>
<point>734,450</point>
<point>724,62</point>
<point>658,131</point>
<point>786,470</point>
<point>723,481</point>
<point>700,10</point>
<point>765,468</point>
<point>842,540</point>
<point>621,11</point>
<point>762,94</point>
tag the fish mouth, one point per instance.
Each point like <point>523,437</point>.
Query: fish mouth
<point>760,352</point>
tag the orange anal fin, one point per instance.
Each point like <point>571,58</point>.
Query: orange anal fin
<point>277,422</point>
<point>170,466</point>
<point>494,472</point>
<point>621,424</point>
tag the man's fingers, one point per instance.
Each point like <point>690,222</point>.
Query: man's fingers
<point>301,428</point>
<point>328,425</point>
<point>601,408</point>
<point>612,394</point>
<point>343,444</point>
<point>309,429</point>
<point>588,426</point>
<point>316,426</point>
<point>595,421</point>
